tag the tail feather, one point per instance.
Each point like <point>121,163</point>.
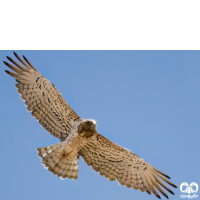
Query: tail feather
<point>56,161</point>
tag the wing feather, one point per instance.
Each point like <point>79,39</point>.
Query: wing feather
<point>117,163</point>
<point>43,99</point>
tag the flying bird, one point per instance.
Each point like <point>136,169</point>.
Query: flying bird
<point>79,137</point>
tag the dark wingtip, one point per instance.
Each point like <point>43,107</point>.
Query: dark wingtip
<point>25,59</point>
<point>29,62</point>
<point>16,55</point>
<point>5,63</point>
<point>171,192</point>
<point>162,173</point>
<point>166,196</point>
<point>148,192</point>
<point>158,196</point>
<point>8,57</point>
<point>174,186</point>
<point>7,71</point>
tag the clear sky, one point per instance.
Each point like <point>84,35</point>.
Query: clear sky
<point>146,101</point>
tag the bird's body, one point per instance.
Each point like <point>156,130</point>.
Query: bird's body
<point>79,137</point>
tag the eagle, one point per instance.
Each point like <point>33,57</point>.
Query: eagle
<point>79,137</point>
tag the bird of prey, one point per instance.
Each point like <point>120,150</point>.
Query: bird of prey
<point>79,137</point>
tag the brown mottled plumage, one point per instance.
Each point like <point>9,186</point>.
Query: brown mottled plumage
<point>79,137</point>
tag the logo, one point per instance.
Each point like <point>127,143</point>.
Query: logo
<point>192,188</point>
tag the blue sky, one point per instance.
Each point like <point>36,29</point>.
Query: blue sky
<point>146,101</point>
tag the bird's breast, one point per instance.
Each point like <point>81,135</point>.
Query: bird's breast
<point>76,143</point>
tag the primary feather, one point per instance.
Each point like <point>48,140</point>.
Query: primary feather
<point>43,99</point>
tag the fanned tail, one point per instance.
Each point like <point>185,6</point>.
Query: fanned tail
<point>58,162</point>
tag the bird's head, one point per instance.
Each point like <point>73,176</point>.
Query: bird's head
<point>91,122</point>
<point>87,128</point>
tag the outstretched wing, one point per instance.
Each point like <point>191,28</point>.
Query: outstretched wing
<point>43,99</point>
<point>117,163</point>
